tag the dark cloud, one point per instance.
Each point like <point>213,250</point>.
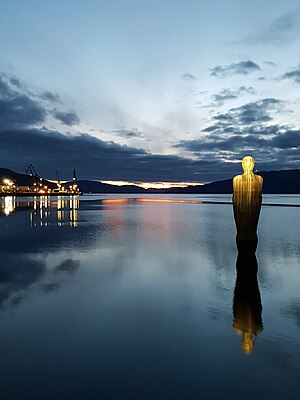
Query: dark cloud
<point>224,95</point>
<point>69,118</point>
<point>69,266</point>
<point>242,68</point>
<point>223,129</point>
<point>21,109</point>
<point>50,96</point>
<point>246,90</point>
<point>285,23</point>
<point>49,287</point>
<point>281,30</point>
<point>18,110</point>
<point>96,159</point>
<point>189,77</point>
<point>270,63</point>
<point>16,82</point>
<point>270,152</point>
<point>128,133</point>
<point>214,143</point>
<point>227,94</point>
<point>23,141</point>
<point>288,140</point>
<point>292,75</point>
<point>248,129</point>
<point>5,90</point>
<point>249,113</point>
<point>50,150</point>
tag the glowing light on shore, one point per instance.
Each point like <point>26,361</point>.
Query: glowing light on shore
<point>153,185</point>
<point>8,182</point>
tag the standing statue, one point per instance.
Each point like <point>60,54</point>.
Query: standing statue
<point>247,199</point>
<point>247,308</point>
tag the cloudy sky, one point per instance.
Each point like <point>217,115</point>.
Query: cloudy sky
<point>149,91</point>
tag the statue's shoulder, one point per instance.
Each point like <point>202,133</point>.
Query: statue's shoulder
<point>258,182</point>
<point>236,182</point>
<point>237,178</point>
<point>259,178</point>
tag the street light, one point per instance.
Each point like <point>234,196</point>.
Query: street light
<point>8,184</point>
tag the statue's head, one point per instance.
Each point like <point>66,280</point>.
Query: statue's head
<point>248,164</point>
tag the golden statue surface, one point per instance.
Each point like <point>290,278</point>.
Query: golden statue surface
<point>247,308</point>
<point>247,199</point>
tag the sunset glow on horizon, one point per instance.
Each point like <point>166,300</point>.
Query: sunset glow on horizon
<point>153,185</point>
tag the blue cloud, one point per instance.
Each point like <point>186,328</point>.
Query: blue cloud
<point>242,68</point>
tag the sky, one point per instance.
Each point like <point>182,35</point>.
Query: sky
<point>160,91</point>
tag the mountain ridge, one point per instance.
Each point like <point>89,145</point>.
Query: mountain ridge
<point>275,182</point>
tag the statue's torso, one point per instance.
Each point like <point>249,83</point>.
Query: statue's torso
<point>247,202</point>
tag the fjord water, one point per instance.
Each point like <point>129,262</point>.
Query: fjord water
<point>108,297</point>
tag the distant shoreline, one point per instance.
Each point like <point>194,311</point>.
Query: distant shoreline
<point>38,194</point>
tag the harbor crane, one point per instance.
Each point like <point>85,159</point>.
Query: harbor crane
<point>38,180</point>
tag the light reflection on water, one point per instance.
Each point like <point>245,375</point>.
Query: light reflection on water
<point>107,297</point>
<point>42,209</point>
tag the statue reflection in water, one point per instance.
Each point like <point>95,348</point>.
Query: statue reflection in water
<point>247,308</point>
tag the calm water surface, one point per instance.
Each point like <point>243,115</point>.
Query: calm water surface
<point>108,297</point>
